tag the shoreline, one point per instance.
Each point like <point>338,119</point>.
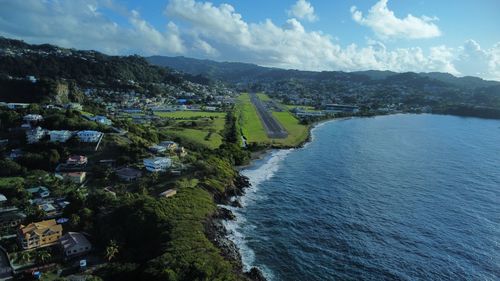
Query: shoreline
<point>215,227</point>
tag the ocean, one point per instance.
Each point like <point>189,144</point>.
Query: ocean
<point>398,197</point>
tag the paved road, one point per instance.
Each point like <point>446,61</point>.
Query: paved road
<point>273,128</point>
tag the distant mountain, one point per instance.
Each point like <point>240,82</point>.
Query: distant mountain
<point>244,72</point>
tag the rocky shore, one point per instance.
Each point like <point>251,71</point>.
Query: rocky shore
<point>218,234</point>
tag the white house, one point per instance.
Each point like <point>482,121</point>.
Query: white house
<point>34,135</point>
<point>157,164</point>
<point>74,244</point>
<point>33,118</point>
<point>89,136</point>
<point>60,136</point>
<point>102,120</point>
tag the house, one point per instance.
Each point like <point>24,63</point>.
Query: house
<point>74,106</point>
<point>3,199</point>
<point>128,174</point>
<point>157,164</point>
<point>15,153</point>
<point>31,78</point>
<point>49,209</point>
<point>39,192</point>
<point>13,105</point>
<point>33,118</point>
<point>39,234</point>
<point>89,136</point>
<point>77,160</point>
<point>34,135</point>
<point>11,217</point>
<point>101,120</point>
<point>60,136</point>
<point>168,193</point>
<point>157,149</point>
<point>169,145</point>
<point>74,244</point>
<point>75,177</point>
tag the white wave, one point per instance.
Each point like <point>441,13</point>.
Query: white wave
<point>258,173</point>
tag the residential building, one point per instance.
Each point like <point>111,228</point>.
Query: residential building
<point>34,135</point>
<point>3,199</point>
<point>39,192</point>
<point>169,145</point>
<point>74,106</point>
<point>13,105</point>
<point>89,136</point>
<point>128,174</point>
<point>39,234</point>
<point>77,160</point>
<point>157,164</point>
<point>101,120</point>
<point>168,193</point>
<point>74,244</point>
<point>11,217</point>
<point>75,177</point>
<point>15,153</point>
<point>157,149</point>
<point>60,136</point>
<point>33,118</point>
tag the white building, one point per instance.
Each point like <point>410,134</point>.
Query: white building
<point>102,120</point>
<point>60,136</point>
<point>157,164</point>
<point>33,118</point>
<point>89,136</point>
<point>34,135</point>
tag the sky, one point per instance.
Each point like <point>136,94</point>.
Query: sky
<point>461,37</point>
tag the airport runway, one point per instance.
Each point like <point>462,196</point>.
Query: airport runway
<point>273,128</point>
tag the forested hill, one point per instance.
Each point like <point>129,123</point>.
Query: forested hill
<point>19,59</point>
<point>243,72</point>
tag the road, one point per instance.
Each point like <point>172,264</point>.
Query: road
<point>273,128</point>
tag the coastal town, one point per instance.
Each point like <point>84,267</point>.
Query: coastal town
<point>112,168</point>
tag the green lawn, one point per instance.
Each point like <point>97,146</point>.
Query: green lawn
<point>254,131</point>
<point>198,136</point>
<point>190,114</point>
<point>249,121</point>
<point>263,97</point>
<point>199,133</point>
<point>297,132</point>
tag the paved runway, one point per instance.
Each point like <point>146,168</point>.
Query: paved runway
<point>273,128</point>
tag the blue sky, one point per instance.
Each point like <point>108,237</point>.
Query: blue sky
<point>459,37</point>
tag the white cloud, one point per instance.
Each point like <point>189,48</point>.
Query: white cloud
<point>302,10</point>
<point>202,29</point>
<point>385,24</point>
<point>80,24</point>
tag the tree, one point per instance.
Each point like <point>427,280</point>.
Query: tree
<point>42,256</point>
<point>24,257</point>
<point>111,250</point>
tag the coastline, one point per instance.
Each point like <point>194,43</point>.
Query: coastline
<point>216,226</point>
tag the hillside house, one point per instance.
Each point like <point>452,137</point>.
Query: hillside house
<point>89,136</point>
<point>39,234</point>
<point>74,244</point>
<point>157,164</point>
<point>60,136</point>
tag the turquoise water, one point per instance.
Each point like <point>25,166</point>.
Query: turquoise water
<point>401,197</point>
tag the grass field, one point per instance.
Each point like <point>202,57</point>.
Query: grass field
<point>253,129</point>
<point>249,121</point>
<point>297,133</point>
<point>263,97</point>
<point>207,131</point>
<point>190,114</point>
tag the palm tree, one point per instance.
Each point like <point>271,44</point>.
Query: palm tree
<point>24,256</point>
<point>42,256</point>
<point>111,250</point>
